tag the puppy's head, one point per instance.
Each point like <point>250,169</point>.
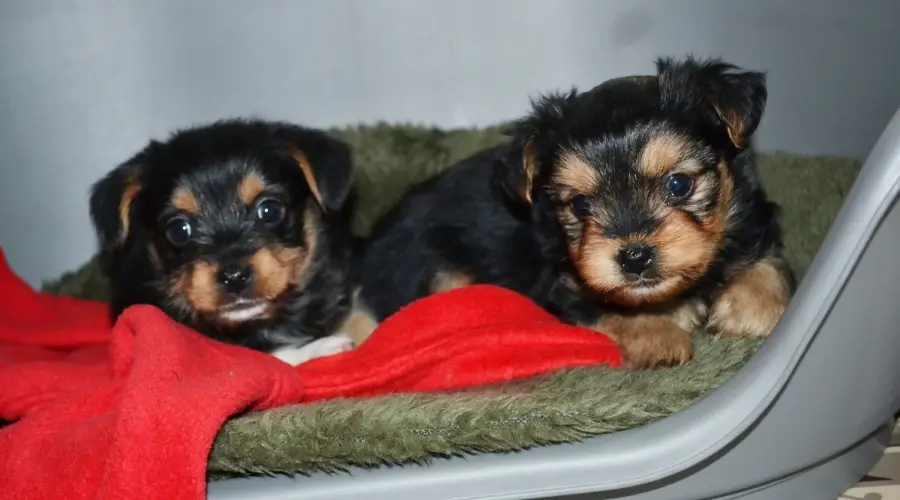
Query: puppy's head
<point>639,174</point>
<point>230,216</point>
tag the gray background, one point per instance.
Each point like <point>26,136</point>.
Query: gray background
<point>84,84</point>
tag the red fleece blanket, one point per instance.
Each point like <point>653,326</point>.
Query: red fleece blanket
<point>130,411</point>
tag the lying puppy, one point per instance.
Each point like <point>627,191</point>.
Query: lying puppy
<point>238,229</point>
<point>634,209</point>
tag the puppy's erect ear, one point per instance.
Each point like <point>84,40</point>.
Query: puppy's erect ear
<point>111,201</point>
<point>729,98</point>
<point>327,166</point>
<point>517,170</point>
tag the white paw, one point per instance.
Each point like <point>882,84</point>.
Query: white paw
<point>334,344</point>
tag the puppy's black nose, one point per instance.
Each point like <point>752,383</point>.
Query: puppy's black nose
<point>636,258</point>
<point>234,277</point>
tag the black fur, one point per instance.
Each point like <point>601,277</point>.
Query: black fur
<point>209,162</point>
<point>476,218</point>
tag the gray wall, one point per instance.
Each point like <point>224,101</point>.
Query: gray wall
<point>83,84</point>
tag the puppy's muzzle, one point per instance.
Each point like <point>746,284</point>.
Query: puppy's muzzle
<point>235,281</point>
<point>637,261</point>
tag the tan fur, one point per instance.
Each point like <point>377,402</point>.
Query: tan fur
<point>595,260</point>
<point>307,169</point>
<point>753,303</point>
<point>661,154</point>
<point>684,253</point>
<point>198,286</point>
<point>132,188</point>
<point>250,188</point>
<point>656,337</point>
<point>576,174</point>
<point>183,199</point>
<point>704,185</point>
<point>689,314</point>
<point>683,246</point>
<point>272,268</point>
<point>447,280</point>
<point>596,263</point>
<point>528,164</point>
<point>734,125</point>
<point>715,225</point>
<point>360,323</point>
<point>275,268</point>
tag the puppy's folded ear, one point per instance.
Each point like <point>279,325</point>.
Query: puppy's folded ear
<point>327,166</point>
<point>728,99</point>
<point>111,202</point>
<point>517,171</point>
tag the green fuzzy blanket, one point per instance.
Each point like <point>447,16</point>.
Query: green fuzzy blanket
<point>562,407</point>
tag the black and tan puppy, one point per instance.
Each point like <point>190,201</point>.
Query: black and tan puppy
<point>237,228</point>
<point>634,209</point>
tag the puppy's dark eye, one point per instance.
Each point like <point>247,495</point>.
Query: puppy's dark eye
<point>270,211</point>
<point>179,231</point>
<point>678,187</point>
<point>581,206</point>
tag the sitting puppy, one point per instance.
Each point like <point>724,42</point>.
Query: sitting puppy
<point>634,209</point>
<point>237,229</point>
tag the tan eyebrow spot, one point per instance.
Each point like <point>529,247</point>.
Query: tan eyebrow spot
<point>661,154</point>
<point>185,200</point>
<point>251,186</point>
<point>576,174</point>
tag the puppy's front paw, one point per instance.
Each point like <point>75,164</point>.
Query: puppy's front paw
<point>752,304</point>
<point>319,348</point>
<point>648,342</point>
<point>656,349</point>
<point>334,344</point>
<point>754,318</point>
